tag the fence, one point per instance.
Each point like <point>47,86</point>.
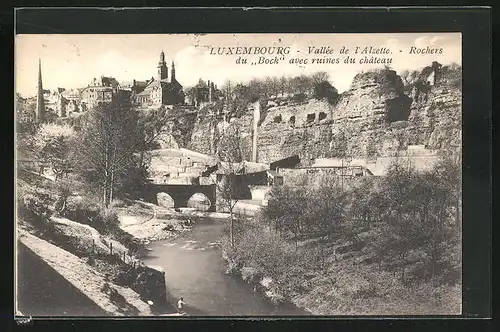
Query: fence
<point>82,240</point>
<point>123,256</point>
<point>148,282</point>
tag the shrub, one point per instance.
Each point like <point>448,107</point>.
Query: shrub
<point>326,90</point>
<point>287,209</point>
<point>457,83</point>
<point>109,218</point>
<point>299,97</point>
<point>91,212</point>
<point>34,202</point>
<point>117,203</point>
<point>261,252</point>
<point>250,274</point>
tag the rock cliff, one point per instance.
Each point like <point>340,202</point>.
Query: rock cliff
<point>377,116</point>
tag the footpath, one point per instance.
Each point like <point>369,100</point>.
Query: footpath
<point>85,280</point>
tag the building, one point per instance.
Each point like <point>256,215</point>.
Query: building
<point>73,102</point>
<point>62,102</point>
<point>102,90</point>
<point>202,93</point>
<point>134,86</point>
<point>162,90</point>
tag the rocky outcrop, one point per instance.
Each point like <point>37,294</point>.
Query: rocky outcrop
<point>377,116</point>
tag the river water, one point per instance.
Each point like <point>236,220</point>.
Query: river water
<point>194,271</point>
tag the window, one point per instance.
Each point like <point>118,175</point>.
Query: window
<point>311,117</point>
<point>291,121</point>
<point>277,119</point>
<point>322,116</point>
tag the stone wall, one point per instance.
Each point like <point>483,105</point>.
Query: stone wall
<point>416,156</point>
<point>377,116</point>
<point>316,177</point>
<point>150,284</point>
<point>371,119</point>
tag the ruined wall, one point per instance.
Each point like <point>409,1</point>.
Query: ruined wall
<point>377,116</point>
<point>373,118</point>
<point>291,129</point>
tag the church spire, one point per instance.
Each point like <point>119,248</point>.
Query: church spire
<point>172,75</point>
<point>40,103</point>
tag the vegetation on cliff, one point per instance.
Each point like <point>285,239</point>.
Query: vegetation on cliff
<point>422,106</point>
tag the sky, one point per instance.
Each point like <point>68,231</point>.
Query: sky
<point>72,61</point>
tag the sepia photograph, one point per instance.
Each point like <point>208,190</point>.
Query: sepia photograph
<point>264,174</point>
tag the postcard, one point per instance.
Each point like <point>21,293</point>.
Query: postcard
<point>276,174</point>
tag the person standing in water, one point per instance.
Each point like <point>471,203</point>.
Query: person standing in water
<point>180,305</point>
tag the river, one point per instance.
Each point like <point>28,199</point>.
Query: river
<point>193,270</point>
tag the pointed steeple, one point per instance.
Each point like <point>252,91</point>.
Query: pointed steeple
<point>40,102</point>
<point>172,75</point>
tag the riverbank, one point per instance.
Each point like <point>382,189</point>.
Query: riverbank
<point>261,281</point>
<point>196,273</point>
<point>340,278</point>
<point>182,243</point>
<point>89,251</point>
<point>151,223</point>
<point>148,222</point>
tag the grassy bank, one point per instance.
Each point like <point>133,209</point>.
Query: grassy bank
<point>80,227</point>
<point>388,246</point>
<point>110,296</point>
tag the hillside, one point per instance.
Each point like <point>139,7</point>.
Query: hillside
<point>87,252</point>
<point>110,297</point>
<point>386,245</point>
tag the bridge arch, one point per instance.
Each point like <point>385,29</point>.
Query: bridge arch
<point>165,200</point>
<point>199,201</point>
<point>180,195</point>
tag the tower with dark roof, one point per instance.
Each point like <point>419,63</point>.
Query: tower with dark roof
<point>40,102</point>
<point>162,68</point>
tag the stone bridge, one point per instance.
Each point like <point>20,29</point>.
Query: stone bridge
<point>180,193</point>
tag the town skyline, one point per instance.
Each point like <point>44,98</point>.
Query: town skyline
<point>72,61</point>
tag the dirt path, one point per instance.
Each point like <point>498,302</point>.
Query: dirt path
<point>44,292</point>
<point>86,279</point>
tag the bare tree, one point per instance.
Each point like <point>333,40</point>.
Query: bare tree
<point>283,85</point>
<point>273,85</point>
<point>301,84</point>
<point>230,164</point>
<point>408,77</point>
<point>106,145</point>
<point>320,77</point>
